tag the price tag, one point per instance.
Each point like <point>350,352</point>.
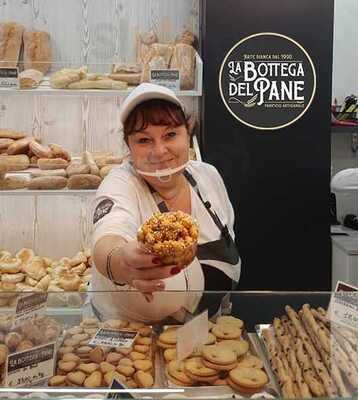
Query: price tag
<point>191,335</point>
<point>9,78</point>
<point>29,367</point>
<point>169,78</point>
<point>343,306</point>
<point>113,338</point>
<point>121,395</point>
<point>28,307</point>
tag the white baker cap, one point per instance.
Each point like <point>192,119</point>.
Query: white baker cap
<point>144,92</point>
<point>345,180</point>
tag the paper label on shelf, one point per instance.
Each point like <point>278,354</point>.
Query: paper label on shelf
<point>29,307</point>
<point>343,306</point>
<point>113,338</point>
<point>170,78</point>
<point>9,78</point>
<point>29,367</point>
<point>192,335</point>
<point>115,385</point>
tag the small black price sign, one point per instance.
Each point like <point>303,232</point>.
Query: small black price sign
<point>9,77</point>
<point>113,338</point>
<point>116,385</point>
<point>169,78</point>
<point>28,307</point>
<point>29,367</point>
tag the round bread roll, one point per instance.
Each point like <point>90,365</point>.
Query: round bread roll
<point>172,236</point>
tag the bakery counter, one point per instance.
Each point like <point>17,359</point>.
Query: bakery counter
<point>261,345</point>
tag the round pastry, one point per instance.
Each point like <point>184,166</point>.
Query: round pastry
<point>219,355</point>
<point>172,236</point>
<point>241,347</point>
<point>226,331</point>
<point>229,319</point>
<point>250,361</point>
<point>250,378</point>
<point>176,370</point>
<point>195,366</point>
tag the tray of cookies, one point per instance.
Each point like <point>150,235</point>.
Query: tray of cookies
<point>82,364</point>
<point>228,361</point>
<point>309,355</point>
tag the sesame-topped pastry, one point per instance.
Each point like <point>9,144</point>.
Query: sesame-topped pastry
<point>172,236</point>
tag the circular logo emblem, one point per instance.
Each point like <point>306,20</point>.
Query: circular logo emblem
<point>267,81</point>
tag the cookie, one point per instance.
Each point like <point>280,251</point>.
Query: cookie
<point>136,325</point>
<point>143,379</point>
<point>170,355</point>
<point>251,378</point>
<point>241,347</point>
<point>96,355</point>
<point>228,319</point>
<point>196,367</point>
<point>219,355</point>
<point>105,367</point>
<point>240,389</point>
<point>226,331</point>
<point>176,370</point>
<point>65,349</point>
<point>71,357</point>
<point>113,358</point>
<point>250,361</point>
<point>88,368</point>
<point>143,340</point>
<point>125,370</point>
<point>134,355</point>
<point>173,380</point>
<point>203,379</point>
<point>141,348</point>
<point>218,367</point>
<point>145,331</point>
<point>57,380</point>
<point>211,339</point>
<point>109,376</point>
<point>165,345</point>
<point>76,378</point>
<point>169,336</point>
<point>83,350</point>
<point>124,350</point>
<point>67,366</point>
<point>94,380</point>
<point>126,361</point>
<point>143,365</point>
<point>75,330</point>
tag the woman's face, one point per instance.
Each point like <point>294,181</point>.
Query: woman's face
<point>159,147</point>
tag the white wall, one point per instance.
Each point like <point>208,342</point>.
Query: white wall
<point>345,75</point>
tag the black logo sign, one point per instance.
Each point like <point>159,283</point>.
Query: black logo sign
<point>103,208</point>
<point>30,357</point>
<point>267,81</point>
<point>164,74</point>
<point>8,72</point>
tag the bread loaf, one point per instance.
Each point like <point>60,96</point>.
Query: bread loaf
<point>15,163</point>
<point>30,79</point>
<point>3,170</point>
<point>20,146</point>
<point>6,143</point>
<point>52,163</point>
<point>130,79</point>
<point>105,170</point>
<point>98,84</point>
<point>47,183</point>
<point>87,158</point>
<point>61,79</point>
<point>40,150</point>
<point>37,51</point>
<point>10,44</point>
<point>13,183</point>
<point>184,60</point>
<point>59,152</point>
<point>54,172</point>
<point>10,134</point>
<point>185,37</point>
<point>83,182</point>
<point>102,161</point>
<point>144,41</point>
<point>77,169</point>
<point>33,161</point>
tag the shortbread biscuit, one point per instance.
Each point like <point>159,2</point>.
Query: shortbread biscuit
<point>143,365</point>
<point>143,379</point>
<point>219,355</point>
<point>57,380</point>
<point>169,336</point>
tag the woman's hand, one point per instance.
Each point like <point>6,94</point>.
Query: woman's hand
<point>133,265</point>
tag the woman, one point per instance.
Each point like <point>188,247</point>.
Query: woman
<point>159,177</point>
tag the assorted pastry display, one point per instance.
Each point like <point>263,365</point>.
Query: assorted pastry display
<point>29,334</point>
<point>180,54</point>
<point>52,167</point>
<point>27,272</point>
<point>81,364</point>
<point>225,359</point>
<point>172,236</point>
<point>310,356</point>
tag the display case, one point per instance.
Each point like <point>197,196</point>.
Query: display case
<point>77,61</point>
<point>256,345</point>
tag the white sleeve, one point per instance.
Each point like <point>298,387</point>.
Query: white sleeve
<point>115,209</point>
